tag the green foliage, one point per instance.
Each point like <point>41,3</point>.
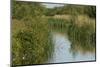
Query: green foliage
<point>91,11</point>
<point>59,25</point>
<point>82,36</point>
<point>72,10</point>
<point>31,28</point>
<point>22,9</point>
<point>31,41</point>
<point>31,44</point>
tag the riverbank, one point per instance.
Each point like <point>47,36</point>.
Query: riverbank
<point>80,30</point>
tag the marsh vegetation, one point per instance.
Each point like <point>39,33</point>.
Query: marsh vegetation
<point>34,26</point>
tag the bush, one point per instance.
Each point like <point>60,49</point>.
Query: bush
<point>31,44</point>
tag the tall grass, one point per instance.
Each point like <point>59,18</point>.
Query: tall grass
<point>57,24</point>
<point>82,35</point>
<point>31,41</point>
<point>80,31</point>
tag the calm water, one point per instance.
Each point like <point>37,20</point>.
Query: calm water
<point>63,53</point>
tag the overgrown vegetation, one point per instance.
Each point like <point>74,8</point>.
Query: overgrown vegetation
<point>83,37</point>
<point>81,34</point>
<point>31,42</point>
<point>32,24</point>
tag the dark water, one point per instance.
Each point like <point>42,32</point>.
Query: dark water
<point>63,53</point>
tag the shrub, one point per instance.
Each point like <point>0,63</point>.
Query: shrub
<point>31,44</point>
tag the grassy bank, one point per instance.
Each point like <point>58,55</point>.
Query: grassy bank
<point>80,30</point>
<point>31,42</point>
<point>82,34</point>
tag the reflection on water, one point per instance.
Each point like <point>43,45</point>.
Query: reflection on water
<point>63,53</point>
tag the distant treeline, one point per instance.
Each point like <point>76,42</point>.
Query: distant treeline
<point>22,9</point>
<point>73,10</point>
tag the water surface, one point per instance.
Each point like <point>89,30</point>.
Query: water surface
<point>63,53</point>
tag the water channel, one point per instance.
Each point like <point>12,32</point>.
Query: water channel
<point>62,50</point>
